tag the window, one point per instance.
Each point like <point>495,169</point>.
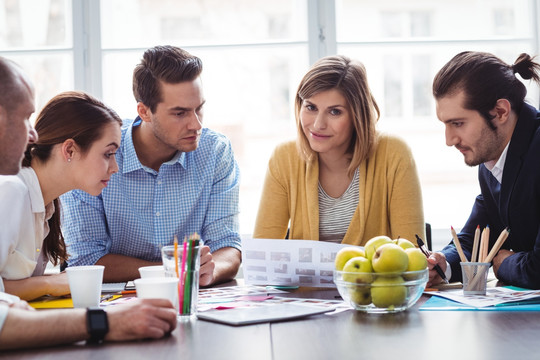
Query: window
<point>255,53</point>
<point>403,45</point>
<point>36,34</point>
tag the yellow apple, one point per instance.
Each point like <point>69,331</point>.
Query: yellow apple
<point>417,260</point>
<point>404,243</point>
<point>360,296</point>
<point>358,270</point>
<point>386,291</point>
<point>390,258</point>
<point>373,243</point>
<point>346,253</point>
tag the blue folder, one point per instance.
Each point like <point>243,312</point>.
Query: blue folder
<point>437,303</point>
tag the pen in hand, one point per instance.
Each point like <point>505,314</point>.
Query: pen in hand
<point>426,252</point>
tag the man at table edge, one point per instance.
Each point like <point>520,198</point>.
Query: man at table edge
<point>482,104</point>
<point>22,326</point>
<point>175,178</point>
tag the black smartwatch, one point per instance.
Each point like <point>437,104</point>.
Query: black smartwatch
<point>97,324</point>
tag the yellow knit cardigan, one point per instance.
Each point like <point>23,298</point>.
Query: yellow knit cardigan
<point>390,201</point>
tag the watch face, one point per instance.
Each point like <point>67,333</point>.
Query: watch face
<point>99,322</point>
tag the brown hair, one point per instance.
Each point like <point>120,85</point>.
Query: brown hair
<point>350,79</point>
<point>69,115</point>
<point>162,63</point>
<point>485,78</point>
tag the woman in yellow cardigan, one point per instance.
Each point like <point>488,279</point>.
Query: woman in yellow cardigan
<point>341,181</point>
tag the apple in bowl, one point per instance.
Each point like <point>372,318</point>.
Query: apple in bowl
<point>390,277</point>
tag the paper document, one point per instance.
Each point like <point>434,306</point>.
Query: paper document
<point>289,262</point>
<point>494,296</point>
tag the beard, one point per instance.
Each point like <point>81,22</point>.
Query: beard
<point>488,147</point>
<point>167,140</point>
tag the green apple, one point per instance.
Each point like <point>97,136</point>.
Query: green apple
<point>417,260</point>
<point>404,243</point>
<point>390,258</point>
<point>373,243</point>
<point>359,269</point>
<point>386,291</point>
<point>360,296</point>
<point>346,253</point>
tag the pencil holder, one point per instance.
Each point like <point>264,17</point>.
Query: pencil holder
<point>183,262</point>
<point>474,277</point>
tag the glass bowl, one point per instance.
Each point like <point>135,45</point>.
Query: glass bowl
<point>381,292</point>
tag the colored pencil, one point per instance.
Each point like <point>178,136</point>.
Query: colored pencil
<point>458,246</point>
<point>485,246</point>
<point>475,244</point>
<point>187,285</point>
<point>176,256</point>
<point>500,241</point>
<point>182,278</point>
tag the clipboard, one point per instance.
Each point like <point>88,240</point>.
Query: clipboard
<point>261,314</point>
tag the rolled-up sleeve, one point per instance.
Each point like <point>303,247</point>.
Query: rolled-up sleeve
<point>84,228</point>
<point>221,225</point>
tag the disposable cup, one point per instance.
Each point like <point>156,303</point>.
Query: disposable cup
<point>188,275</point>
<point>158,288</point>
<point>85,284</point>
<point>474,277</point>
<point>152,271</point>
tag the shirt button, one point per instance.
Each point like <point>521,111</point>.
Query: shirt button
<point>158,213</point>
<point>159,182</point>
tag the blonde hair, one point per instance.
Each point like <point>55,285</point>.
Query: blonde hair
<point>350,79</point>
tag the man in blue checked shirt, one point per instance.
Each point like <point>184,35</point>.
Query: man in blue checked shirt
<point>174,178</point>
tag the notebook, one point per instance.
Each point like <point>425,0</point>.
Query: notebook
<point>113,287</point>
<point>260,314</point>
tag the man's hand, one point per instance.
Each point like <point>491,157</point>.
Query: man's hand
<point>206,273</point>
<point>141,319</point>
<point>220,266</point>
<point>499,258</point>
<point>434,259</point>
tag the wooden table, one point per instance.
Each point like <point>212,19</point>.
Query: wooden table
<point>348,335</point>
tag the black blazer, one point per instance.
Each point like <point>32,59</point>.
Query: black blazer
<point>517,207</point>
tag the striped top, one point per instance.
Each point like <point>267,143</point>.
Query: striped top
<point>335,214</point>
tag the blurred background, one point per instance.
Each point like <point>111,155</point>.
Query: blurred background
<point>255,53</point>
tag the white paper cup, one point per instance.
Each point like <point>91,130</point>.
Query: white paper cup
<point>85,284</point>
<point>152,271</point>
<point>158,288</point>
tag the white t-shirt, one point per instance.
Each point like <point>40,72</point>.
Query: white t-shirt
<point>5,301</point>
<point>3,313</point>
<point>24,226</point>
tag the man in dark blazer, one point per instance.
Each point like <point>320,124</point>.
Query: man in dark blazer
<point>481,103</point>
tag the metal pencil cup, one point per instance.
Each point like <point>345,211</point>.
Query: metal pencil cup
<point>474,277</point>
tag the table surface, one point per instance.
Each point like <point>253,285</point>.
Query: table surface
<point>412,334</point>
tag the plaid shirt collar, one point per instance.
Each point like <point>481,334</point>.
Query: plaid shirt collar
<point>131,161</point>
